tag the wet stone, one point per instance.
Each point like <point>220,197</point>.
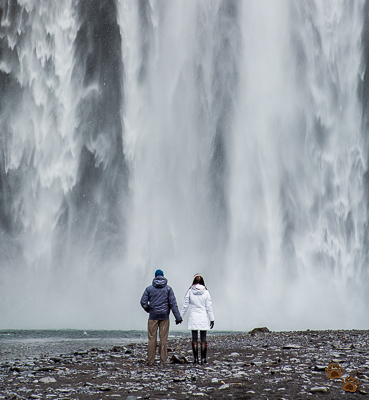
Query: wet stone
<point>320,389</point>
<point>291,346</point>
<point>47,379</point>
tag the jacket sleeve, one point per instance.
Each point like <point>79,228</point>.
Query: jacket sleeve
<point>186,304</point>
<point>209,308</point>
<point>145,301</point>
<point>173,305</point>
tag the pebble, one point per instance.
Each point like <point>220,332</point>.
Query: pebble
<point>47,379</point>
<point>225,386</point>
<point>257,363</point>
<point>105,388</point>
<point>291,346</point>
<point>319,389</point>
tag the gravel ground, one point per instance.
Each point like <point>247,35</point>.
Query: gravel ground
<point>262,365</point>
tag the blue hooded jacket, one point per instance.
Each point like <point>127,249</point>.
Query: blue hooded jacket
<point>158,299</point>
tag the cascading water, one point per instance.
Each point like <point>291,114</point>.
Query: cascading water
<point>224,137</point>
<point>297,165</point>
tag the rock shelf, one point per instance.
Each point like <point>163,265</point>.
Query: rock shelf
<point>261,365</point>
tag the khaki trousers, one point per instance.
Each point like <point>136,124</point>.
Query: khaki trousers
<point>152,329</point>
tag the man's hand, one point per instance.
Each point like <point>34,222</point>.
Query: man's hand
<point>179,321</point>
<point>211,324</point>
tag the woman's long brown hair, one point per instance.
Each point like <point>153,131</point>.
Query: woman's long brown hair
<point>198,279</point>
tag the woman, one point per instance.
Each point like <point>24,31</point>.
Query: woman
<point>199,300</point>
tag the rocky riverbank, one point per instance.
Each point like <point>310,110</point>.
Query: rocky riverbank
<point>261,365</point>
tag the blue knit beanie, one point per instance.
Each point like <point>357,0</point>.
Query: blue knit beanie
<point>159,272</point>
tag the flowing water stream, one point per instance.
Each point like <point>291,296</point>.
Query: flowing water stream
<point>227,137</point>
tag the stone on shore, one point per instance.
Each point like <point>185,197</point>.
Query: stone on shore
<point>319,389</point>
<point>47,379</point>
<point>259,330</point>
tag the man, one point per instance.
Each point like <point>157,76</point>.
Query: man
<point>158,299</point>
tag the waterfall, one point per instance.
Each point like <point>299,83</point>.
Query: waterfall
<point>298,165</point>
<point>224,137</point>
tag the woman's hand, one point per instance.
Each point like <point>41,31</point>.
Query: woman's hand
<point>211,324</point>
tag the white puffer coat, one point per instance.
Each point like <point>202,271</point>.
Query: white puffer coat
<point>199,300</point>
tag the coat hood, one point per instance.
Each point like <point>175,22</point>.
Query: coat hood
<point>159,282</point>
<point>198,289</point>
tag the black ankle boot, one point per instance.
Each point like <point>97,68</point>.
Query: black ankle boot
<point>195,351</point>
<point>203,352</point>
